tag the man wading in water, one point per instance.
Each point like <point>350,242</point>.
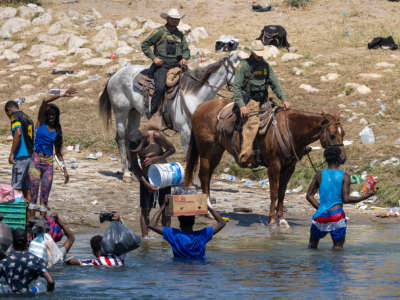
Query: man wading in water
<point>170,50</point>
<point>334,190</point>
<point>250,90</point>
<point>152,147</point>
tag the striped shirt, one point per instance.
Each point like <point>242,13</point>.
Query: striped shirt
<point>108,261</point>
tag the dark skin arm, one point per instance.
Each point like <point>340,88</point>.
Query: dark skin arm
<point>169,148</point>
<point>220,222</point>
<point>154,221</point>
<point>15,144</point>
<point>346,192</point>
<point>313,189</point>
<point>73,262</point>
<point>71,238</point>
<point>43,106</point>
<point>137,170</point>
<point>50,281</point>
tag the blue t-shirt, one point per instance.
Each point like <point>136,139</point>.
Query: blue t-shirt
<point>330,190</point>
<point>44,140</point>
<point>188,245</point>
<point>22,150</point>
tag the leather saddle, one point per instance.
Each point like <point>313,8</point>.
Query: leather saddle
<point>228,116</point>
<point>144,83</point>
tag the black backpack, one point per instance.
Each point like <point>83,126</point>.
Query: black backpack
<point>274,35</point>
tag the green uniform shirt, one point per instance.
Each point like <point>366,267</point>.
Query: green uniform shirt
<point>168,46</point>
<point>252,77</point>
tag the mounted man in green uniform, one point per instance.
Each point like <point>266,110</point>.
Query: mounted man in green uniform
<point>252,79</point>
<point>170,50</point>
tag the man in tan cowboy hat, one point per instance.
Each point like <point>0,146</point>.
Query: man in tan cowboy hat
<point>170,50</point>
<point>250,88</point>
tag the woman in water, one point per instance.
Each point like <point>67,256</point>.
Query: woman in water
<point>334,190</point>
<point>48,138</point>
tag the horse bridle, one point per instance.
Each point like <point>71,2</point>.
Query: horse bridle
<point>227,64</point>
<point>325,132</point>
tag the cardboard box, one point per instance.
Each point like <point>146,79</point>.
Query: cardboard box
<point>187,205</point>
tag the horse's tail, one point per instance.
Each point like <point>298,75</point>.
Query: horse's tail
<point>105,107</point>
<point>192,157</point>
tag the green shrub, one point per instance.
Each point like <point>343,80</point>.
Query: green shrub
<point>298,3</point>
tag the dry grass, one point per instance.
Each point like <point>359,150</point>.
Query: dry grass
<point>317,30</point>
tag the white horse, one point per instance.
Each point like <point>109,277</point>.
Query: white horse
<point>128,106</point>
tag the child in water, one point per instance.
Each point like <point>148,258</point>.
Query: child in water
<point>334,190</point>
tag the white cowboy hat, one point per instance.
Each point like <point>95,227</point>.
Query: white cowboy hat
<point>258,48</point>
<point>172,13</point>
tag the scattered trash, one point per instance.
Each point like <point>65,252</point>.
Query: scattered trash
<point>113,157</point>
<point>345,14</point>
<point>395,211</point>
<point>20,100</point>
<point>226,219</point>
<point>393,161</point>
<point>91,156</point>
<point>200,59</point>
<point>63,72</point>
<point>364,175</point>
<point>243,209</point>
<point>72,160</point>
<point>99,154</point>
<point>259,8</point>
<point>249,182</point>
<point>346,33</point>
<point>356,179</point>
<point>74,166</point>
<point>123,36</point>
<point>51,60</point>
<point>213,201</point>
<point>298,189</point>
<point>373,162</point>
<point>264,182</point>
<point>367,136</point>
<point>70,148</point>
<point>316,148</point>
<point>347,143</point>
<point>94,77</point>
<point>352,118</point>
<point>226,169</point>
<point>114,56</point>
<point>56,92</point>
<point>77,148</point>
<point>383,107</point>
<point>227,177</point>
<point>94,202</point>
<point>372,199</point>
<point>355,194</point>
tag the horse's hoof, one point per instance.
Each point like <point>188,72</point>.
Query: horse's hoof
<point>127,179</point>
<point>284,224</point>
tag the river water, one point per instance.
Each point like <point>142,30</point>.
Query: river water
<point>245,263</point>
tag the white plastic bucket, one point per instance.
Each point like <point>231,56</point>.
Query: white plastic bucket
<point>164,175</point>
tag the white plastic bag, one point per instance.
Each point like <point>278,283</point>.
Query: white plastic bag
<point>54,254</point>
<point>38,248</point>
<point>367,136</point>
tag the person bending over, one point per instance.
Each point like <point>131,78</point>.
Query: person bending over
<point>333,185</point>
<point>185,242</point>
<point>99,259</point>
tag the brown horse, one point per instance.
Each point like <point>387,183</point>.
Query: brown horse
<point>305,128</point>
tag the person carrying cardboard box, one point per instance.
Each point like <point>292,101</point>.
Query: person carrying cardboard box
<point>185,242</point>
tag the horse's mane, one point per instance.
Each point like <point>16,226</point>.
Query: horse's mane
<point>193,80</point>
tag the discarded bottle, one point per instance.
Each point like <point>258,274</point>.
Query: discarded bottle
<point>367,136</point>
<point>39,287</point>
<point>20,100</point>
<point>356,179</point>
<point>227,177</point>
<point>94,78</point>
<point>369,185</point>
<point>383,107</point>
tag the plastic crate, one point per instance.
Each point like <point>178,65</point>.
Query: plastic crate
<point>14,214</point>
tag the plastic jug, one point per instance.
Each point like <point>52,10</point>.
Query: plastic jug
<point>38,247</point>
<point>367,136</point>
